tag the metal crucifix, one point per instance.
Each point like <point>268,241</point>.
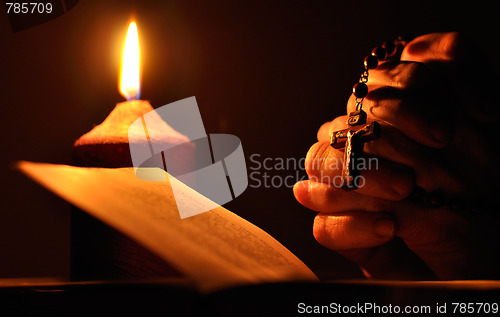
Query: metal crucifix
<point>353,140</point>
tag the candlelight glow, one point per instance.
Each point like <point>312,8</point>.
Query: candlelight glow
<point>129,78</point>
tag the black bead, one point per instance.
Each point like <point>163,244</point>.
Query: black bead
<point>379,52</point>
<point>371,62</point>
<point>406,37</point>
<point>436,199</point>
<point>360,90</point>
<point>390,48</point>
<point>419,197</point>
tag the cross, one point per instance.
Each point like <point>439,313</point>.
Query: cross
<point>353,140</point>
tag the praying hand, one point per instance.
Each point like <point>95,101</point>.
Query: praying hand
<point>438,119</point>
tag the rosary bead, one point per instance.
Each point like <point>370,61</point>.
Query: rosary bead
<point>390,48</point>
<point>418,196</point>
<point>405,38</point>
<point>436,200</point>
<point>360,90</point>
<point>380,53</point>
<point>371,62</point>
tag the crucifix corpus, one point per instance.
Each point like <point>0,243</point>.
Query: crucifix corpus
<point>352,140</point>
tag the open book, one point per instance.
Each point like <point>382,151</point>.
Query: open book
<point>216,249</point>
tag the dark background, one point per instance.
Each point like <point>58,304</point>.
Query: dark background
<point>270,72</point>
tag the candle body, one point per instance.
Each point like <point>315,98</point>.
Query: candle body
<point>107,144</point>
<point>97,250</point>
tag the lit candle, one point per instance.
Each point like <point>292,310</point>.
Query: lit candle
<point>98,251</point>
<point>107,144</point>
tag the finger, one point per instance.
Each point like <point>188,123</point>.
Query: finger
<point>452,246</point>
<point>405,75</point>
<point>395,146</point>
<point>353,230</point>
<point>326,198</point>
<point>380,178</point>
<point>434,47</point>
<point>391,261</point>
<point>461,62</point>
<point>423,118</point>
<point>408,95</point>
<point>392,143</point>
<point>326,130</point>
<point>398,147</point>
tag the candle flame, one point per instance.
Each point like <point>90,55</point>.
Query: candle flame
<point>129,77</point>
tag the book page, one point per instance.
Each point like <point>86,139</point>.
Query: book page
<point>215,249</point>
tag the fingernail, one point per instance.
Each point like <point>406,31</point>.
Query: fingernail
<point>402,181</point>
<point>384,227</point>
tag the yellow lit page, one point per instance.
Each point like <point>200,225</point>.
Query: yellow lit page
<point>215,249</point>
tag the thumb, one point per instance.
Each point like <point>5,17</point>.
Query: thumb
<point>434,47</point>
<point>462,65</point>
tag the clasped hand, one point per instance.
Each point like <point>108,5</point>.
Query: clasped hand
<point>438,115</point>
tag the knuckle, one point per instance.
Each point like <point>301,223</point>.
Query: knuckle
<point>412,75</point>
<point>325,131</point>
<point>351,103</point>
<point>319,229</point>
<point>419,76</point>
<point>339,123</point>
<point>378,204</point>
<point>405,75</point>
<point>334,199</point>
<point>385,103</point>
<point>450,45</point>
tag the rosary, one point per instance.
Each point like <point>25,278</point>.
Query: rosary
<point>353,139</point>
